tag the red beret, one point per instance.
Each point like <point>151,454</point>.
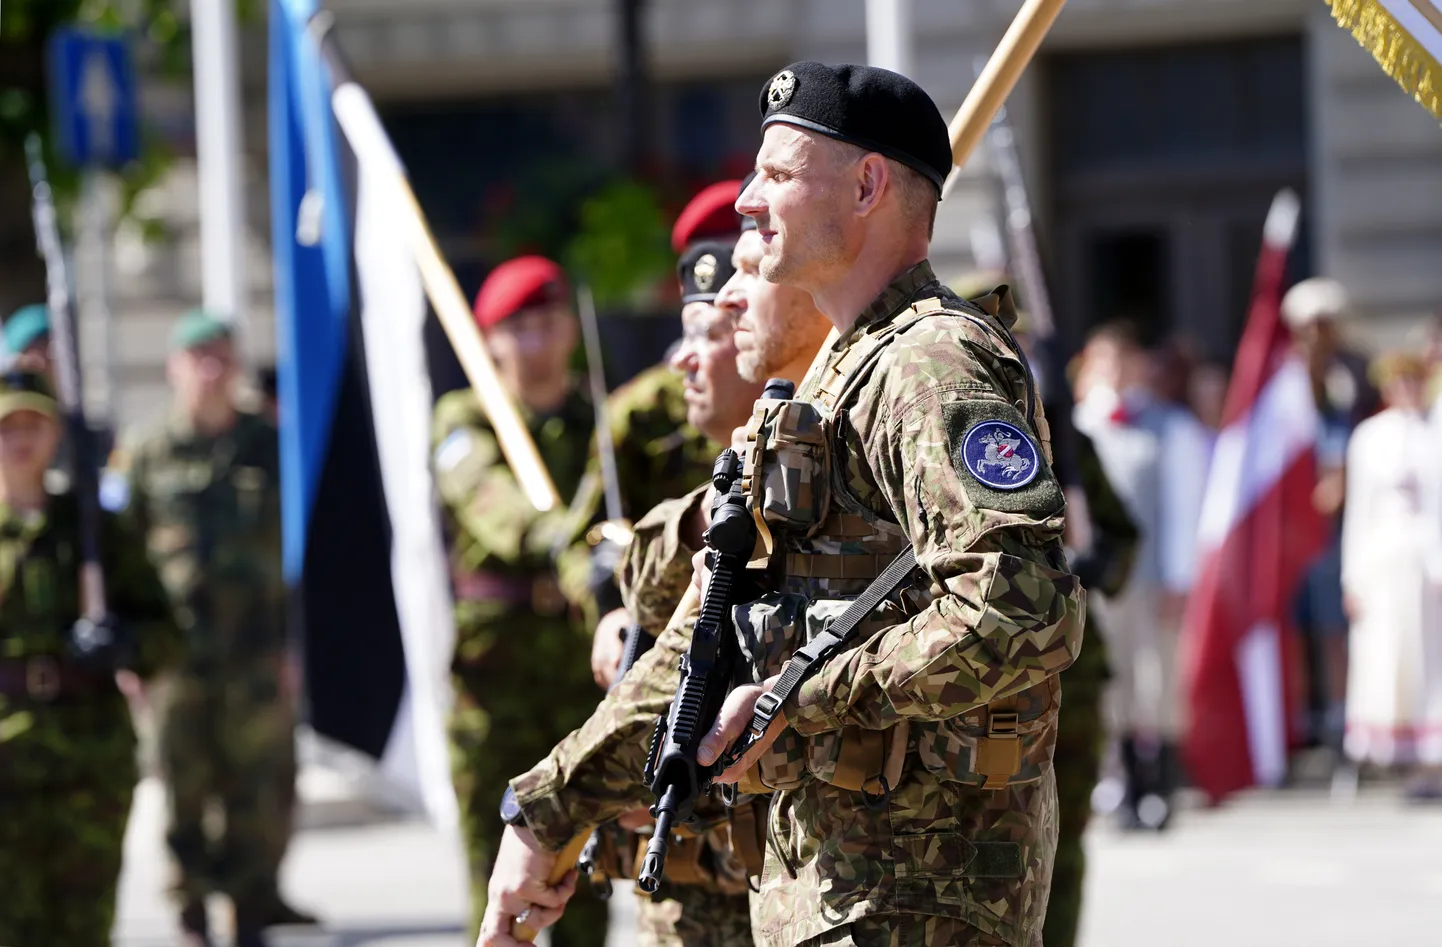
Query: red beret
<point>516,284</point>
<point>712,213</point>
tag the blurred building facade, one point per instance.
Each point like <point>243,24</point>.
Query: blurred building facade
<point>1154,135</point>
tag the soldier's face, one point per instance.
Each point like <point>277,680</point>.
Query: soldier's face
<point>774,322</point>
<point>28,440</point>
<point>799,199</point>
<point>204,374</point>
<point>718,400</point>
<point>534,343</point>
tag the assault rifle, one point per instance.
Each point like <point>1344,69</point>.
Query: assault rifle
<point>708,669</point>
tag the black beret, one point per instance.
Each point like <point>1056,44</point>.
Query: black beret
<point>747,223</point>
<point>875,109</point>
<point>703,269</point>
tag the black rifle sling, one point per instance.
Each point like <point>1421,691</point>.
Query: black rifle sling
<point>814,653</point>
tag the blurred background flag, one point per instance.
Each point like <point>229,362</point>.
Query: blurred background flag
<point>1258,532</point>
<point>1405,37</point>
<point>363,551</point>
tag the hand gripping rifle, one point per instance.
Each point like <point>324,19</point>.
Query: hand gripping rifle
<point>708,670</point>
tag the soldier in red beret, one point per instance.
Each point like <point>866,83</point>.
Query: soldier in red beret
<point>521,673</point>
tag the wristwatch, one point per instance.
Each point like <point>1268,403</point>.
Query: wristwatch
<point>511,813</point>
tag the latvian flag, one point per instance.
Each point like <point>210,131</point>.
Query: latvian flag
<point>1258,532</point>
<point>363,551</point>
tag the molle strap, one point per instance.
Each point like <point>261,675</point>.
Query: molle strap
<point>748,836</point>
<point>998,754</point>
<point>849,526</point>
<point>753,483</point>
<point>836,566</point>
<point>861,760</point>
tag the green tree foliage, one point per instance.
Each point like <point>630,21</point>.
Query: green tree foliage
<point>621,246</point>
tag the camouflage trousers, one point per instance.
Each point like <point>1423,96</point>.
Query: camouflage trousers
<point>692,916</point>
<point>908,930</point>
<point>60,854</point>
<point>489,745</point>
<point>227,747</point>
<point>1080,738</point>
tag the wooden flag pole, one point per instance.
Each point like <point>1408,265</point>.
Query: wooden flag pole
<point>357,118</point>
<point>1013,53</point>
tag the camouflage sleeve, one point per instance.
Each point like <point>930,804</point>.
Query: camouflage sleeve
<point>594,775</point>
<point>958,464</point>
<point>138,599</point>
<point>656,567</point>
<point>1114,534</point>
<point>481,495</point>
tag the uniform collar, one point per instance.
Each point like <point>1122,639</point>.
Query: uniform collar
<point>899,293</point>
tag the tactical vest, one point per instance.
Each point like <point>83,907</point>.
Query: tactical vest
<point>823,547</point>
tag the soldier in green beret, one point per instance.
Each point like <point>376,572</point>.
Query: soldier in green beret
<point>67,748</point>
<point>204,489</point>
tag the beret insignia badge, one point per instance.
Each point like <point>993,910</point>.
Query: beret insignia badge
<point>704,272</point>
<point>781,89</point>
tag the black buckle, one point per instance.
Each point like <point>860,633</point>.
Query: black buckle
<point>764,711</point>
<point>42,678</point>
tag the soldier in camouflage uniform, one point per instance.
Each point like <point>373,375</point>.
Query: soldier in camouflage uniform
<point>67,748</point>
<point>610,750</point>
<point>204,489</point>
<point>520,672</point>
<point>913,794</point>
<point>664,437</point>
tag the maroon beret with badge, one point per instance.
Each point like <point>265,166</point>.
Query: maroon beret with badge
<point>711,213</point>
<point>518,284</point>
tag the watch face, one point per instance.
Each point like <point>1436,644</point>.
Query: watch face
<point>510,808</point>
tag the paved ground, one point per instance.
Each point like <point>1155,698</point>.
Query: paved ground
<point>1288,869</point>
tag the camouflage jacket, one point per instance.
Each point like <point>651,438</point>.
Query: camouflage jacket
<point>209,508</point>
<point>493,531</point>
<point>594,774</point>
<point>50,743</point>
<point>658,457</point>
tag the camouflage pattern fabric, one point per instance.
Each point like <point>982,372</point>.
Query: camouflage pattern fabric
<point>1081,731</point>
<point>521,669</point>
<point>658,457</point>
<point>887,930</point>
<point>656,567</point>
<point>209,506</point>
<point>691,916</point>
<point>67,767</point>
<point>1002,617</point>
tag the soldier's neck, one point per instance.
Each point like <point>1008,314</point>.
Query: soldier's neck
<point>21,491</point>
<point>884,256</point>
<point>209,420</point>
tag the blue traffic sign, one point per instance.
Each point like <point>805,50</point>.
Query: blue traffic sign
<point>92,95</point>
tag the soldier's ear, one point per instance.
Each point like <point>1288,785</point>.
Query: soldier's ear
<point>873,177</point>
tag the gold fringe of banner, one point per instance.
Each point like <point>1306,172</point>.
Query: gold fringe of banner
<point>1396,51</point>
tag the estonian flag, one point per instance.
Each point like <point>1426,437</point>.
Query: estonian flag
<point>363,550</point>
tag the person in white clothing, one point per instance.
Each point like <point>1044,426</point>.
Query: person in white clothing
<point>1156,455</point>
<point>1392,580</point>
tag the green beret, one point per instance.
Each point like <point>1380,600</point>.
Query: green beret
<point>196,328</point>
<point>26,391</point>
<point>875,109</point>
<point>25,326</point>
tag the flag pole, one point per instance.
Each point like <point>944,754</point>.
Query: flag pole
<point>1016,49</point>
<point>357,118</point>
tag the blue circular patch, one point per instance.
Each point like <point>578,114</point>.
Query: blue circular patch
<point>1000,455</point>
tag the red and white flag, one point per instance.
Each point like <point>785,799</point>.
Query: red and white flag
<point>1258,532</point>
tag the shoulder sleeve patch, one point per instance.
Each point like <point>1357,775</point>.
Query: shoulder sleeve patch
<point>454,449</point>
<point>998,459</point>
